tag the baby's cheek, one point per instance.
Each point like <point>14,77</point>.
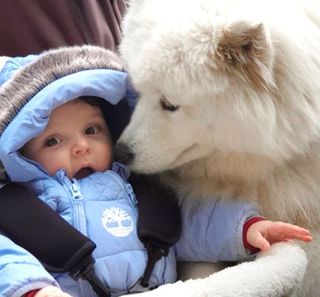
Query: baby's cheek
<point>105,163</point>
<point>53,164</point>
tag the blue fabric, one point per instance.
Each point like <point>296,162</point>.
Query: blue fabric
<point>120,256</point>
<point>212,229</point>
<point>12,65</point>
<point>20,272</point>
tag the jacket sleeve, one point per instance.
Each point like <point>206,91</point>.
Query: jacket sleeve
<point>212,229</point>
<point>20,272</point>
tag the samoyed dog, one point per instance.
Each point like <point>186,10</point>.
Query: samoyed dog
<point>229,104</point>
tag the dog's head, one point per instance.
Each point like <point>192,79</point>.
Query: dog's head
<point>206,84</point>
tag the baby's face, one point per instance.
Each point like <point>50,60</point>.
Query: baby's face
<point>76,139</point>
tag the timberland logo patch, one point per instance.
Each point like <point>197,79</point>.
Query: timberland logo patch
<point>117,221</point>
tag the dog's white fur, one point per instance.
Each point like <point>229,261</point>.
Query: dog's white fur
<point>245,76</point>
<point>249,279</point>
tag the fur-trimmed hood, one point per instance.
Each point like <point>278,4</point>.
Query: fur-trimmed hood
<point>32,86</point>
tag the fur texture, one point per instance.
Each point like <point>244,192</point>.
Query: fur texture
<point>250,279</point>
<point>229,104</point>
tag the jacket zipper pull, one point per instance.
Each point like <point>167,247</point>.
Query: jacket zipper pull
<point>131,193</point>
<point>76,195</point>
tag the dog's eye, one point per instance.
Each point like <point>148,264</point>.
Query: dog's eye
<point>166,105</point>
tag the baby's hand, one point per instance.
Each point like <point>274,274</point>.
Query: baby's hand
<point>51,291</point>
<point>264,233</point>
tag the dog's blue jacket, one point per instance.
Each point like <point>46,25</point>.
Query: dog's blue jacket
<point>212,228</point>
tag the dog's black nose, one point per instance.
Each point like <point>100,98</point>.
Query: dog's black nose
<point>122,153</point>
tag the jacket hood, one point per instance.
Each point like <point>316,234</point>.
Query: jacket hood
<point>32,86</point>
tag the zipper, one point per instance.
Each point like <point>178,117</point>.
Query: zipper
<point>131,194</point>
<point>79,213</point>
<point>79,222</point>
<point>75,191</point>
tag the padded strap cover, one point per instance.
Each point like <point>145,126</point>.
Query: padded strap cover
<point>32,224</point>
<point>159,220</point>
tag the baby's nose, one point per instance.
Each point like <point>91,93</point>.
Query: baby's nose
<point>82,147</point>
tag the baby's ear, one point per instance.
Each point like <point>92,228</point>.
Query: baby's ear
<point>245,49</point>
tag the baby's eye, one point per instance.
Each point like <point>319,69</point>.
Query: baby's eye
<point>52,141</point>
<point>92,130</point>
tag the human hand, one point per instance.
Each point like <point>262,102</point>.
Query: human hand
<point>51,291</point>
<point>264,233</point>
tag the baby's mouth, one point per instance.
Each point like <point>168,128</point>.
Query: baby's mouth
<point>83,172</point>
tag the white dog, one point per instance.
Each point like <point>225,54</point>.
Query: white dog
<point>230,104</point>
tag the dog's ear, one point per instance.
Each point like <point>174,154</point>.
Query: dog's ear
<point>245,49</point>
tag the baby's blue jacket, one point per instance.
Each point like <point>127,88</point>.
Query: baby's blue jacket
<point>105,210</point>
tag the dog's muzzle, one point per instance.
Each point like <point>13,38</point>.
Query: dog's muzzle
<point>123,154</point>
